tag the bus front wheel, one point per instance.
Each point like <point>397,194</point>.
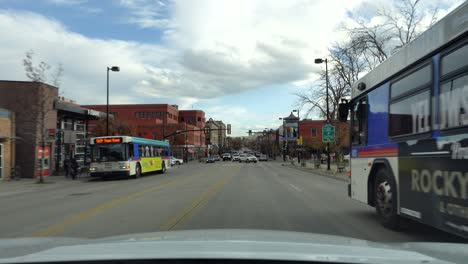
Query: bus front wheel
<point>385,194</point>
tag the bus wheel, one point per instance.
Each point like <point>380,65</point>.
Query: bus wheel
<point>385,194</point>
<point>163,166</point>
<point>137,171</point>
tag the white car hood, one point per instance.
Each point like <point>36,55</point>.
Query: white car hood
<point>227,244</point>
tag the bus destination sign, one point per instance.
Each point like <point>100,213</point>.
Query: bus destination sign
<point>108,140</point>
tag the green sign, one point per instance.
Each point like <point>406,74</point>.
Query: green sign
<point>328,133</point>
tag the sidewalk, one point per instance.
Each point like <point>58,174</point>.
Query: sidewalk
<point>309,167</point>
<point>25,185</point>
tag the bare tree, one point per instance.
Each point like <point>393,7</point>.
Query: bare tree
<point>368,46</point>
<point>401,23</point>
<point>345,66</point>
<point>41,106</point>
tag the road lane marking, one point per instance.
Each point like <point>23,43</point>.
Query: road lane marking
<point>299,189</point>
<point>75,219</point>
<point>186,213</point>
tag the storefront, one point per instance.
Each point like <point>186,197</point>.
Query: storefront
<point>71,138</point>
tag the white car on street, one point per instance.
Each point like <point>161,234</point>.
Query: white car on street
<point>235,157</point>
<point>176,161</point>
<point>243,158</point>
<point>252,158</point>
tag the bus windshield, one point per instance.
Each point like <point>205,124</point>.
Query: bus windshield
<point>109,152</point>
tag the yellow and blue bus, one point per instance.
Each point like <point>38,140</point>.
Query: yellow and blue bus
<point>128,156</point>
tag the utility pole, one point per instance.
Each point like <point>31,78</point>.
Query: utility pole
<point>328,113</point>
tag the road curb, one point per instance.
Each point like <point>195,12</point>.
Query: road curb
<point>315,172</point>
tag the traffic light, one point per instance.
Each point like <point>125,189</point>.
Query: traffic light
<point>250,132</point>
<point>229,129</point>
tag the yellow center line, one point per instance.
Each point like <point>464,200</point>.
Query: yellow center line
<point>61,227</point>
<point>186,213</point>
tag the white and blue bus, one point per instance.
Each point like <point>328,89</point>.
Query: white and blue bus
<point>128,156</point>
<point>409,130</point>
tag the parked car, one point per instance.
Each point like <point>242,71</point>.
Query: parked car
<point>243,158</point>
<point>252,158</point>
<point>211,159</point>
<point>226,156</point>
<point>235,158</point>
<point>216,157</point>
<point>263,157</point>
<point>176,161</point>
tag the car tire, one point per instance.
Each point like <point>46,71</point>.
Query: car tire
<point>178,162</point>
<point>386,197</point>
<point>163,166</point>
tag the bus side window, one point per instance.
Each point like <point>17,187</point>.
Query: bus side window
<point>359,122</point>
<point>130,150</point>
<point>147,151</point>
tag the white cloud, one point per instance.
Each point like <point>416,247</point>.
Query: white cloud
<point>146,13</point>
<point>210,48</point>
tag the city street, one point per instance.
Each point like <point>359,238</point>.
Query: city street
<point>199,196</point>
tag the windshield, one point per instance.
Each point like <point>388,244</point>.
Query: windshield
<point>346,118</point>
<point>108,153</point>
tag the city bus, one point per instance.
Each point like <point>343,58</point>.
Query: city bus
<point>409,130</point>
<point>127,156</point>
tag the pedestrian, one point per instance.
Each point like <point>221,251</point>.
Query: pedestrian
<point>66,167</point>
<point>74,168</point>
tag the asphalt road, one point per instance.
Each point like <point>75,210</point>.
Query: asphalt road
<point>200,196</point>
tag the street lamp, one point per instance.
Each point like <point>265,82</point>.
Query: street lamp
<point>319,61</point>
<point>298,133</point>
<point>114,69</point>
<point>284,142</point>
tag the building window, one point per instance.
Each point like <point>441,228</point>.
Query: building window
<point>313,132</point>
<point>80,125</point>
<point>199,119</point>
<point>67,124</point>
<point>182,119</point>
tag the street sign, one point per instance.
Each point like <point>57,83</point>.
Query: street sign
<point>328,133</point>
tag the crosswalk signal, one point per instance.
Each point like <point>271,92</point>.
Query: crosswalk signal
<point>228,129</point>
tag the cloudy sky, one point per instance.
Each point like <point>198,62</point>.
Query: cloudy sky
<point>239,61</point>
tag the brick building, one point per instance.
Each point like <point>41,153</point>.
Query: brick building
<point>217,136</point>
<point>161,121</point>
<point>44,123</point>
<point>33,105</point>
<point>7,143</point>
<point>311,133</point>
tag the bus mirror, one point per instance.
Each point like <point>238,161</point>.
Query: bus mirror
<point>343,109</point>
